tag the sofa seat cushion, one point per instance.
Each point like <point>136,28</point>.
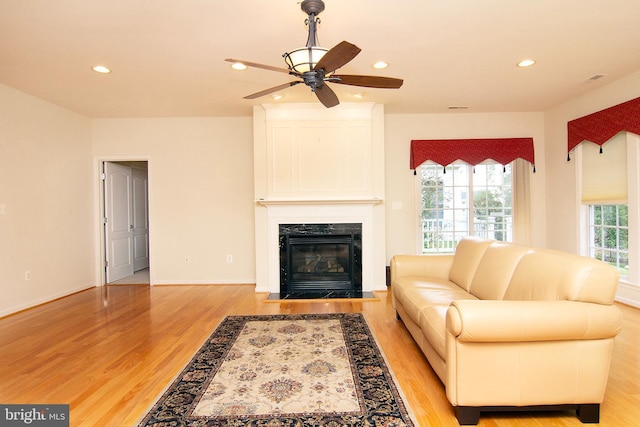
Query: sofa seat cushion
<point>433,321</point>
<point>428,308</point>
<point>402,285</point>
<point>413,303</point>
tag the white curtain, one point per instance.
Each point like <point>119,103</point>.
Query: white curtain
<point>521,170</point>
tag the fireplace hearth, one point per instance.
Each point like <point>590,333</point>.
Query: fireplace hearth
<point>320,260</point>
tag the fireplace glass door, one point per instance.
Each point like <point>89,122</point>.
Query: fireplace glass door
<point>320,262</point>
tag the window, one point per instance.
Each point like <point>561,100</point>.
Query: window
<point>462,200</point>
<point>610,215</point>
<point>609,235</point>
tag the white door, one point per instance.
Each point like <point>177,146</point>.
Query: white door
<point>118,221</point>
<point>140,220</point>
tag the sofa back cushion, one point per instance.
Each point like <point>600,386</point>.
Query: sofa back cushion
<point>495,270</point>
<point>544,274</point>
<point>468,254</point>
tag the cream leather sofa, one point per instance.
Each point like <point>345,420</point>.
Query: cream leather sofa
<point>508,327</point>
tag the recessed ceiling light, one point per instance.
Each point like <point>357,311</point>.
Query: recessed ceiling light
<point>358,95</point>
<point>277,96</point>
<point>526,63</point>
<point>380,65</point>
<point>238,66</point>
<point>101,69</point>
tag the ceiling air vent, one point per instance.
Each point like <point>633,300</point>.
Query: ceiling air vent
<point>596,77</point>
<point>457,107</point>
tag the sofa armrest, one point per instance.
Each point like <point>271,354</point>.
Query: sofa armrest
<point>436,266</point>
<point>519,321</point>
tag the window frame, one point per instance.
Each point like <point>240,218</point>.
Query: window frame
<point>471,223</point>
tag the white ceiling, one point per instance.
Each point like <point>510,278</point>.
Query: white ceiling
<point>167,56</point>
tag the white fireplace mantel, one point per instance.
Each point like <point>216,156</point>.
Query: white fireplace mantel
<point>314,165</point>
<point>325,213</point>
<point>285,202</point>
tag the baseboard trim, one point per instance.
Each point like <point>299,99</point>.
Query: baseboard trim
<point>41,301</point>
<point>250,282</point>
<point>628,294</point>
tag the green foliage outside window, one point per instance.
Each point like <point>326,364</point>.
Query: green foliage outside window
<point>460,200</point>
<point>609,235</point>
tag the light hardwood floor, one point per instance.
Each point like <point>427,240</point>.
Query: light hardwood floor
<point>109,352</point>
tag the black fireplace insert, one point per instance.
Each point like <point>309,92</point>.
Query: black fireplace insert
<point>320,260</point>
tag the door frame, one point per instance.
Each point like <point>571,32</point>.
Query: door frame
<point>99,206</point>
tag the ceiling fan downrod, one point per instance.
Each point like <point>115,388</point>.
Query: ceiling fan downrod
<point>302,62</point>
<point>312,8</point>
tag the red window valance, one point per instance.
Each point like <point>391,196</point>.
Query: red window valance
<point>472,151</point>
<point>601,126</point>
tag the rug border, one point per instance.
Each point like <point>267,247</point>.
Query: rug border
<point>173,380</point>
<point>392,374</point>
<point>392,379</point>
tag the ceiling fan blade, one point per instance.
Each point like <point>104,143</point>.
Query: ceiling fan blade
<point>327,96</point>
<point>256,65</point>
<point>337,56</point>
<point>368,81</point>
<point>271,90</point>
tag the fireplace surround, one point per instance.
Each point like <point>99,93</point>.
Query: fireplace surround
<point>314,165</point>
<point>320,260</point>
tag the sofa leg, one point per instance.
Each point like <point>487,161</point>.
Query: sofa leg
<point>589,414</point>
<point>467,415</point>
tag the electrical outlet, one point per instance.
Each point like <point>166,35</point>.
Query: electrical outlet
<point>186,259</point>
<point>27,275</point>
<point>229,258</point>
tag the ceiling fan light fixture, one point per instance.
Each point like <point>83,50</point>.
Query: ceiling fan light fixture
<point>380,65</point>
<point>304,59</point>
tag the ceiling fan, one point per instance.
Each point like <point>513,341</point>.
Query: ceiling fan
<point>315,66</point>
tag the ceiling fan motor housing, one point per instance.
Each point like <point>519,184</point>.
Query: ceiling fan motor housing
<point>314,79</point>
<point>312,7</point>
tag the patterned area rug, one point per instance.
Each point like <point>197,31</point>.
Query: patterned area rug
<point>284,370</point>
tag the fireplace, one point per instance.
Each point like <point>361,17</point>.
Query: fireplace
<point>320,260</point>
<point>314,165</point>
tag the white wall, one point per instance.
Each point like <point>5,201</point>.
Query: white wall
<point>45,187</point>
<point>201,188</point>
<point>200,193</point>
<point>402,223</point>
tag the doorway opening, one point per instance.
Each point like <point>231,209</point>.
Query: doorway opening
<point>125,222</point>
